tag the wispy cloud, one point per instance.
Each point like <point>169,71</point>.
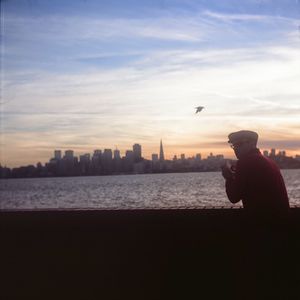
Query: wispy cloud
<point>152,89</point>
<point>258,17</point>
<point>236,17</point>
<point>67,36</point>
<point>64,29</point>
<point>290,144</point>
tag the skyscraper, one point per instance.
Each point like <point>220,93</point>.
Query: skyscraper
<point>107,155</point>
<point>117,154</point>
<point>137,152</point>
<point>106,161</point>
<point>96,160</point>
<point>97,153</point>
<point>69,154</point>
<point>161,152</point>
<point>85,158</point>
<point>57,154</point>
<point>129,155</point>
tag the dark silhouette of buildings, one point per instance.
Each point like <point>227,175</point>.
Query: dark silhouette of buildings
<point>108,162</point>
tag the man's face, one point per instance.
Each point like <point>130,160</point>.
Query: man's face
<point>242,148</point>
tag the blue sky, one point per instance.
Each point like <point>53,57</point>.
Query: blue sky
<point>99,74</point>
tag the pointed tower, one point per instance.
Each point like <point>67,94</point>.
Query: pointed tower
<point>161,152</point>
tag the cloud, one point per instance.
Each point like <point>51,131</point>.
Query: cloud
<point>290,144</point>
<point>168,85</point>
<point>62,38</point>
<point>273,112</point>
<point>64,29</point>
<point>257,17</point>
<point>236,17</point>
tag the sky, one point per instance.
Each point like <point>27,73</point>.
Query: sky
<point>87,75</point>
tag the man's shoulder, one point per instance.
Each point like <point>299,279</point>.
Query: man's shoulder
<point>254,160</point>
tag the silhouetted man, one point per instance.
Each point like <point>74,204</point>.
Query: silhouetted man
<point>256,180</point>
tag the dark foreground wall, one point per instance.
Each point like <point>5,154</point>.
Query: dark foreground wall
<point>148,254</point>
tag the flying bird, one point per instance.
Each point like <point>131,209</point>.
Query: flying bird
<point>199,108</point>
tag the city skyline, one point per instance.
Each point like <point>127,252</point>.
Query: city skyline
<point>110,162</point>
<point>158,155</point>
<point>116,153</point>
<point>91,74</point>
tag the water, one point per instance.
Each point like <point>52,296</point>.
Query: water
<point>126,191</point>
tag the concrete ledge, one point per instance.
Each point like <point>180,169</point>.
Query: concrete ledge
<point>148,254</point>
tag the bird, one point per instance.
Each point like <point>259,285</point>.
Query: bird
<point>199,108</point>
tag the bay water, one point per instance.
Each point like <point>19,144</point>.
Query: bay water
<point>158,191</point>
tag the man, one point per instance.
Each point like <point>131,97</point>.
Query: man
<point>256,180</point>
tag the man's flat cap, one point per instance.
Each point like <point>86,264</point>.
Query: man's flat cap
<point>242,135</point>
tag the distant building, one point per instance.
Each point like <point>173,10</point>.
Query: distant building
<point>211,155</point>
<point>4,172</point>
<point>137,152</point>
<point>96,161</point>
<point>129,161</point>
<point>161,152</point>
<point>107,155</point>
<point>154,158</point>
<point>129,155</point>
<point>106,161</point>
<point>273,152</point>
<point>282,153</point>
<point>175,158</point>
<point>57,154</point>
<point>182,156</point>
<point>97,157</point>
<point>69,154</point>
<point>97,153</point>
<point>117,154</point>
<point>266,153</point>
<point>68,163</point>
<point>198,157</point>
<point>84,161</point>
<point>85,158</point>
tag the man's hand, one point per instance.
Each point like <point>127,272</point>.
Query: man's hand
<point>227,171</point>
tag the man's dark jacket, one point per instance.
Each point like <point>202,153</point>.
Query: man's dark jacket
<point>259,184</point>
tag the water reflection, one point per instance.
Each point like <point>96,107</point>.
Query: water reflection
<point>126,191</point>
